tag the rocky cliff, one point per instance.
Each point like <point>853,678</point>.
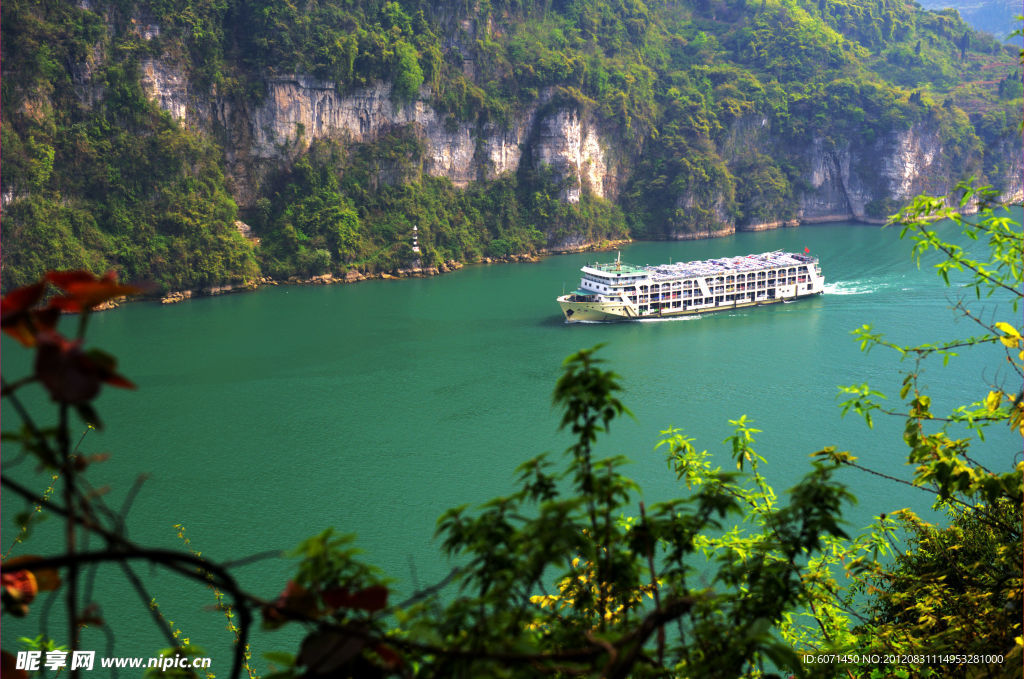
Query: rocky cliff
<point>297,110</point>
<point>858,183</point>
<point>137,133</point>
<point>844,182</point>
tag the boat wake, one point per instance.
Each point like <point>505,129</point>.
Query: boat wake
<point>865,287</point>
<point>671,319</point>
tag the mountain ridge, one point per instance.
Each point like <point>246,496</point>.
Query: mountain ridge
<point>495,128</point>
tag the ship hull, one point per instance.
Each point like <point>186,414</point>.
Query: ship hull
<point>606,312</point>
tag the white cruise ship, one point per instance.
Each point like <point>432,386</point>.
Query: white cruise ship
<point>620,292</point>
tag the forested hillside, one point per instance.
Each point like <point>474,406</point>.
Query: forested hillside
<point>139,135</point>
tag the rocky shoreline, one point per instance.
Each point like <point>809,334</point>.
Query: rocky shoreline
<point>452,265</point>
<point>356,276</point>
<point>330,279</point>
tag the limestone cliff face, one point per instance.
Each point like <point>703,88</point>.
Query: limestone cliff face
<point>717,219</point>
<point>168,86</point>
<point>1009,150</point>
<point>299,109</point>
<point>839,182</point>
<point>846,181</point>
<point>571,145</point>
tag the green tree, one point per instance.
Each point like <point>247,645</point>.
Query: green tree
<point>569,574</point>
<point>408,74</point>
<point>958,586</point>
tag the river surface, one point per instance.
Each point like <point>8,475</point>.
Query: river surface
<point>266,417</point>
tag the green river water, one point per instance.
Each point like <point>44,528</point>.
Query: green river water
<point>266,417</point>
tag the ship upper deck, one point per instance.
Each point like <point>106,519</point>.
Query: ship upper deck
<point>726,265</point>
<point>615,269</point>
<point>699,268</point>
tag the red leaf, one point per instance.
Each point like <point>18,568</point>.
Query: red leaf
<point>388,656</point>
<point>68,305</point>
<point>9,667</point>
<point>19,589</point>
<point>91,616</point>
<point>64,370</point>
<point>106,368</point>
<point>21,583</point>
<point>21,331</point>
<point>294,601</point>
<point>46,319</point>
<point>67,279</point>
<point>85,291</point>
<point>15,318</point>
<point>116,380</point>
<point>47,579</point>
<point>71,375</point>
<point>372,599</point>
<point>23,298</point>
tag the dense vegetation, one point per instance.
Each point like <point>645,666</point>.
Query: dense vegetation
<point>101,182</point>
<point>317,221</point>
<point>570,574</point>
<point>96,176</point>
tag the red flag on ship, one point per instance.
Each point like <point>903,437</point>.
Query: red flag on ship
<point>806,250</point>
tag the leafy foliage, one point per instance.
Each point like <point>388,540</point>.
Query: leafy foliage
<point>957,586</point>
<point>115,185</point>
<point>973,563</point>
<point>569,574</point>
<point>314,208</point>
